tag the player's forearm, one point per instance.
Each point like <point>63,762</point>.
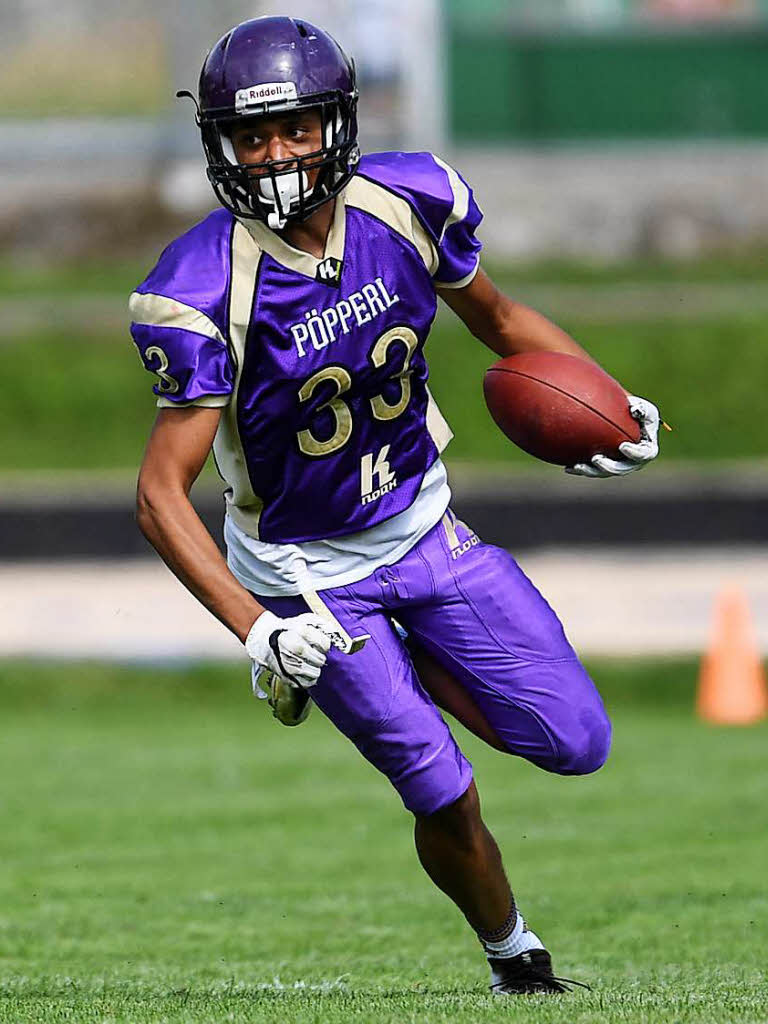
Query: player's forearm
<point>505,326</point>
<point>172,526</point>
<point>518,328</point>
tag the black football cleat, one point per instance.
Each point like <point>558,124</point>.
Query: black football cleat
<point>527,973</point>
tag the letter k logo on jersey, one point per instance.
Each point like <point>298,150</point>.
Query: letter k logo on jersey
<point>329,271</point>
<point>378,472</point>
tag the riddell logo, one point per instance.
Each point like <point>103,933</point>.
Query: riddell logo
<point>268,92</point>
<point>385,478</point>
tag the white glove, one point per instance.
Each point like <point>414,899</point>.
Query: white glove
<point>294,649</point>
<point>636,454</point>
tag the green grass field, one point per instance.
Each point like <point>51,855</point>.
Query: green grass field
<point>169,853</point>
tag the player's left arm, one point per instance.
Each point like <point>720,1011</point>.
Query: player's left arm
<point>505,326</point>
<point>508,327</point>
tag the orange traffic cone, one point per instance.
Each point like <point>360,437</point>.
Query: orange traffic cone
<point>732,687</point>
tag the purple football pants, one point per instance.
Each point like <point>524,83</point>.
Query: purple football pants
<point>471,607</point>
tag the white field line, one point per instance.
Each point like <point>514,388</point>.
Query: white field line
<point>614,602</point>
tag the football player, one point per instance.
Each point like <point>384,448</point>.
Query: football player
<point>287,331</point>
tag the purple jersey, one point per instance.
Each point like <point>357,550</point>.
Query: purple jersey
<point>328,426</point>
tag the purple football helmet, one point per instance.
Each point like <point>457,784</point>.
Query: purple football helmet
<point>274,66</point>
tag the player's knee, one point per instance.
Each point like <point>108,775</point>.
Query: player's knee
<point>585,747</point>
<point>458,822</point>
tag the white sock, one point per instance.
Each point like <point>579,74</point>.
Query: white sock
<point>519,941</point>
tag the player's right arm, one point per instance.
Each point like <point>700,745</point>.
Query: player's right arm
<point>178,447</point>
<point>181,439</point>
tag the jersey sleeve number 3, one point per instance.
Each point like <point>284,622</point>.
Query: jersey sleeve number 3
<point>167,385</point>
<point>381,409</point>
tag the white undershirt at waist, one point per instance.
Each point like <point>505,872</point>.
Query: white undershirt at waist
<point>284,570</point>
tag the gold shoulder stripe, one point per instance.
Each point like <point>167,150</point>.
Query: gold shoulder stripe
<point>160,311</point>
<point>396,212</point>
<point>460,196</point>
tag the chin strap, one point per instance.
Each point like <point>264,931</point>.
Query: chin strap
<point>281,193</point>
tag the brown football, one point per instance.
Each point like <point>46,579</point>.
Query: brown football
<point>560,408</point>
